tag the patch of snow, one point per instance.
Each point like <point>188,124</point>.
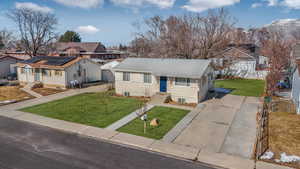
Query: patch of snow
<point>287,159</point>
<point>7,101</point>
<point>267,155</point>
<point>277,160</point>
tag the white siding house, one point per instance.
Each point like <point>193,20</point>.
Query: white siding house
<point>186,81</point>
<point>242,61</point>
<point>295,94</point>
<point>58,71</point>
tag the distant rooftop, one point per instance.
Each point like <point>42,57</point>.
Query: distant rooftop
<point>186,68</point>
<point>50,61</point>
<point>82,46</point>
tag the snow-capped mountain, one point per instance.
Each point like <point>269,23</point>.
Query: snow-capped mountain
<point>285,25</point>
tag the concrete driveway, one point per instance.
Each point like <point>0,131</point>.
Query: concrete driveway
<point>226,125</point>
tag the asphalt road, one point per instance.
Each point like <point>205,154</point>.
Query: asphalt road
<point>27,146</point>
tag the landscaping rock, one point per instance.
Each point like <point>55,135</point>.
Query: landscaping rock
<point>154,122</point>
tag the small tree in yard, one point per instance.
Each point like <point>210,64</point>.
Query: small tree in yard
<point>36,29</point>
<point>277,49</point>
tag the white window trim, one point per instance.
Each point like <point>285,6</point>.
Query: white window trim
<point>151,79</point>
<point>188,84</point>
<point>123,75</point>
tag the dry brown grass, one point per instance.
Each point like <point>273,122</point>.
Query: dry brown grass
<point>47,91</point>
<point>13,93</point>
<point>285,134</point>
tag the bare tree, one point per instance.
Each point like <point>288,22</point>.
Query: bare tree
<point>188,36</point>
<point>36,29</point>
<point>6,39</point>
<point>278,50</point>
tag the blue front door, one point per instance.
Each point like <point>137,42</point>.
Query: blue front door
<point>163,84</point>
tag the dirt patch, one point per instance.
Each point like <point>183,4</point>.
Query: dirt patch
<point>185,104</point>
<point>13,93</point>
<point>47,91</point>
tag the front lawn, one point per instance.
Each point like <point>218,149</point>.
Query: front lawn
<point>242,87</point>
<point>94,109</point>
<point>168,118</point>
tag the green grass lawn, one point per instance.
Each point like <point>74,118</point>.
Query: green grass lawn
<point>94,109</point>
<point>243,87</point>
<point>168,118</point>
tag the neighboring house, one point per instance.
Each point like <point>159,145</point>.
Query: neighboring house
<point>242,61</point>
<point>7,65</point>
<point>295,94</point>
<point>107,72</point>
<point>93,50</point>
<point>58,71</point>
<point>186,81</point>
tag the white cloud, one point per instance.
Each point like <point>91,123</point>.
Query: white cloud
<point>202,5</point>
<point>138,3</point>
<point>89,29</point>
<point>32,6</point>
<point>256,5</point>
<point>272,2</point>
<point>289,4</point>
<point>293,4</point>
<point>81,3</point>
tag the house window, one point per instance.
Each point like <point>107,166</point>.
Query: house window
<point>181,100</point>
<point>126,76</point>
<point>127,94</point>
<point>147,78</point>
<point>58,73</point>
<point>204,80</point>
<point>46,72</point>
<point>182,81</point>
<point>22,70</point>
<point>79,70</point>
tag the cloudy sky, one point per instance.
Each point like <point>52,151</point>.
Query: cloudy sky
<point>110,21</point>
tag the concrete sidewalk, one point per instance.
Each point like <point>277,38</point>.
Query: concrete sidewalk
<point>28,90</point>
<point>122,122</point>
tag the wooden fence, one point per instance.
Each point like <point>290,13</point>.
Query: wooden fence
<point>262,131</point>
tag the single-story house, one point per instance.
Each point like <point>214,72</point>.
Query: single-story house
<point>107,72</point>
<point>7,65</point>
<point>58,71</point>
<point>185,80</point>
<point>242,61</point>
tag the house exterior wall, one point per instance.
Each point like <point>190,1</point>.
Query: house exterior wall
<point>189,93</point>
<point>50,80</point>
<point>92,72</point>
<point>5,66</point>
<point>295,94</point>
<point>136,85</point>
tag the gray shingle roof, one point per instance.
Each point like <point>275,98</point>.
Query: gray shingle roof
<point>187,68</point>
